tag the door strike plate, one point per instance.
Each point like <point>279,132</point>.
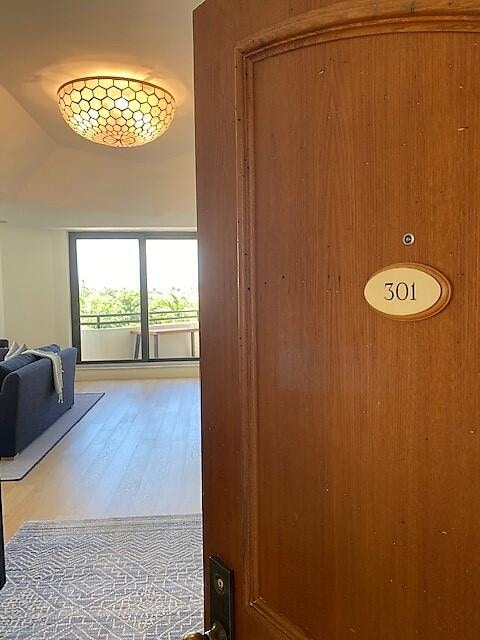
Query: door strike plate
<point>221,596</point>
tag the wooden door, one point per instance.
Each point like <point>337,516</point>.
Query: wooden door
<point>341,447</point>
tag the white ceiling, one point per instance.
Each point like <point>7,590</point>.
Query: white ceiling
<point>49,176</point>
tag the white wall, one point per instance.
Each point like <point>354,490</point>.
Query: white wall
<point>36,294</point>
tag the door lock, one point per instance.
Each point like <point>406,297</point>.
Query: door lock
<point>221,604</point>
<point>217,632</point>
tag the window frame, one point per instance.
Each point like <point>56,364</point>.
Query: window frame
<point>142,237</point>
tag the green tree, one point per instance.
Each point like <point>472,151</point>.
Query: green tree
<point>124,306</point>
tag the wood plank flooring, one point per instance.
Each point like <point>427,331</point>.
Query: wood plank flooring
<point>137,452</point>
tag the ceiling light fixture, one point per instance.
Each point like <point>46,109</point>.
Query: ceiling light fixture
<point>118,112</point>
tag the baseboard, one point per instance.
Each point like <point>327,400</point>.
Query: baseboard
<point>144,371</point>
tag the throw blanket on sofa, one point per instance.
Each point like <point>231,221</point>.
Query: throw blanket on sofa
<point>56,368</point>
<point>15,350</point>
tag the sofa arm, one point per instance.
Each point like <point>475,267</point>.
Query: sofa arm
<point>69,361</point>
<point>29,404</point>
<point>9,403</point>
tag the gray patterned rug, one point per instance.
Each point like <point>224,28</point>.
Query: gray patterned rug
<point>125,579</point>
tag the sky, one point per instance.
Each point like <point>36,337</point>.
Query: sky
<point>115,264</point>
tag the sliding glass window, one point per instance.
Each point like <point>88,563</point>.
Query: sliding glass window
<point>134,296</point>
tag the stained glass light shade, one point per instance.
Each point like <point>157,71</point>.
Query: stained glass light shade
<point>118,112</point>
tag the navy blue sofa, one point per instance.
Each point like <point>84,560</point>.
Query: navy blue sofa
<point>28,400</point>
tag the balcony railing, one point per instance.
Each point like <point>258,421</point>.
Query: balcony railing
<point>113,320</point>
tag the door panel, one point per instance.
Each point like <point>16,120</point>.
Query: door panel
<point>340,458</point>
<point>358,453</point>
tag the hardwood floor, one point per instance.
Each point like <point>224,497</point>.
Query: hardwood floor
<point>137,452</point>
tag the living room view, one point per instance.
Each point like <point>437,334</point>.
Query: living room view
<point>125,335</point>
<point>99,302</point>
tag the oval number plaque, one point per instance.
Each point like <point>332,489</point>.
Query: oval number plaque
<point>408,291</point>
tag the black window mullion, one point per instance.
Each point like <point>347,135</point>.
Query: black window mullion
<point>144,298</point>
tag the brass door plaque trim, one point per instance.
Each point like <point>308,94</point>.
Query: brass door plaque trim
<point>408,291</point>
